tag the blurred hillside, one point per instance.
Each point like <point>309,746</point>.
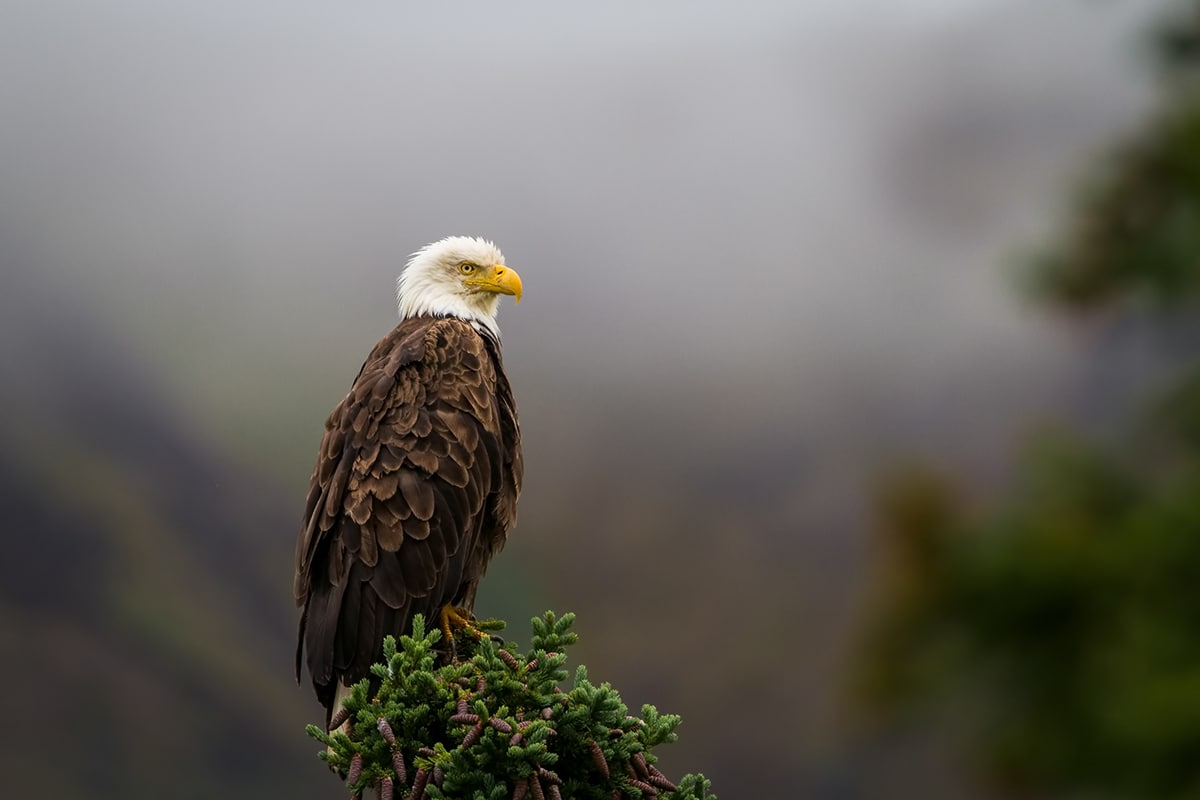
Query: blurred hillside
<point>145,631</point>
<point>763,253</point>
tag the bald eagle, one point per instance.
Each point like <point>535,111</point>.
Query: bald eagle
<point>418,473</point>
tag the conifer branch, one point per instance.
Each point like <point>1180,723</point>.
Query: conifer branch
<point>494,724</point>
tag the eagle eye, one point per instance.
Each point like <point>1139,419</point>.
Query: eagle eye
<point>466,268</point>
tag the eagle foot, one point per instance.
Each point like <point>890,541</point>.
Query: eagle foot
<point>454,618</point>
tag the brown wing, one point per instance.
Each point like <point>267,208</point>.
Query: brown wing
<point>414,489</point>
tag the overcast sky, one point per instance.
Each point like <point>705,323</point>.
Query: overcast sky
<point>773,189</point>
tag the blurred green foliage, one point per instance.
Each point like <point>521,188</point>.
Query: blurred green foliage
<point>1065,623</point>
<point>1137,231</point>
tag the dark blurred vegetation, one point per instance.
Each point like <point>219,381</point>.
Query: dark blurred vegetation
<point>1063,619</point>
<point>1138,231</point>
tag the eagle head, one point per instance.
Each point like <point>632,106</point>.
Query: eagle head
<point>459,276</point>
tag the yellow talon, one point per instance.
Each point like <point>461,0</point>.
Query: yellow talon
<point>458,618</point>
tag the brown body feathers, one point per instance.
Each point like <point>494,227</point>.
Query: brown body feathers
<point>414,490</point>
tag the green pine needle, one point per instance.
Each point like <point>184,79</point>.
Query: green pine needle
<point>497,724</point>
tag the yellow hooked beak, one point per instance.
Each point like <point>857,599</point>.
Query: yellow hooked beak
<point>499,279</point>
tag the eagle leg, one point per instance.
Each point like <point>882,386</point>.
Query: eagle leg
<point>453,617</point>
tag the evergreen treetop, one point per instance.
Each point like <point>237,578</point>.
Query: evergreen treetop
<point>488,723</point>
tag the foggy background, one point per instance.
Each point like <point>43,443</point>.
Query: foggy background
<point>769,250</point>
